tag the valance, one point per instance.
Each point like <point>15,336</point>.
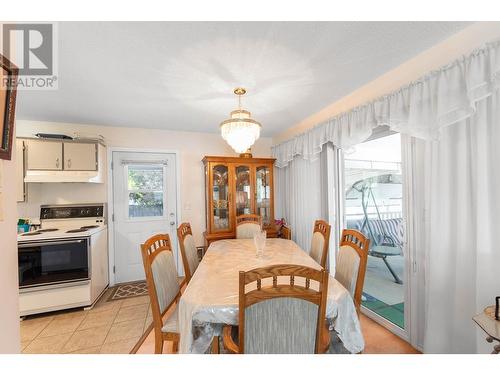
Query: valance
<point>420,109</point>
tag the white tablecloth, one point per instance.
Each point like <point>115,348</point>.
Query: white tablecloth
<point>211,298</point>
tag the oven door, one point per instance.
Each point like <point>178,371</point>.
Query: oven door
<point>53,262</point>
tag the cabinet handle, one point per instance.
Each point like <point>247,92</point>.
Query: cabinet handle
<point>57,162</point>
<point>69,163</point>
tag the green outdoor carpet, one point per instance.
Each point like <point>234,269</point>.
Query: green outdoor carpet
<point>393,313</point>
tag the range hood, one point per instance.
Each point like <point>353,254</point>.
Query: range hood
<point>63,176</point>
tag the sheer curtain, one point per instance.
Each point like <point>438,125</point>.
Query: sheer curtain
<point>301,197</point>
<point>460,204</point>
<point>305,192</point>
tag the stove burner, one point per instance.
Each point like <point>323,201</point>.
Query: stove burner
<point>86,227</point>
<point>40,231</point>
<point>82,229</point>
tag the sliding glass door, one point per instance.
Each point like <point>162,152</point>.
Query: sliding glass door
<point>373,204</point>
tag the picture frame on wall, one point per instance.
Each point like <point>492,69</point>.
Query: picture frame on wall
<point>8,91</point>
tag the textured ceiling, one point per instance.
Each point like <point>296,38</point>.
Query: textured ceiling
<point>180,75</point>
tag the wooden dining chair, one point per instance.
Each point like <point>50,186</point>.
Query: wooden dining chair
<point>247,225</point>
<point>286,232</point>
<point>163,288</point>
<point>351,262</point>
<point>282,317</point>
<point>189,252</point>
<point>320,242</point>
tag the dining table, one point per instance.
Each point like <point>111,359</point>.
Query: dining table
<point>210,300</point>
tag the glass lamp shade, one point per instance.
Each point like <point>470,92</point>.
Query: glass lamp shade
<point>240,131</point>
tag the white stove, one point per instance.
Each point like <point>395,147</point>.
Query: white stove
<point>64,264</point>
<point>60,232</point>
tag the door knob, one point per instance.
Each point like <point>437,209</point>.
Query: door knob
<point>172,223</point>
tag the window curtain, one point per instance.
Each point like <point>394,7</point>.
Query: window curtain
<point>423,109</point>
<point>301,191</point>
<point>450,121</point>
<point>306,192</point>
<point>459,203</point>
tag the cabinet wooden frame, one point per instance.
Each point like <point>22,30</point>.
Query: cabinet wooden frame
<point>232,163</point>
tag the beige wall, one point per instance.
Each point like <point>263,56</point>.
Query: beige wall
<point>9,307</point>
<point>441,54</point>
<point>192,147</point>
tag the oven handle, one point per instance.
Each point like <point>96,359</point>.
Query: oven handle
<point>31,244</point>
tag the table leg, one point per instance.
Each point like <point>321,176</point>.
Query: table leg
<point>216,345</point>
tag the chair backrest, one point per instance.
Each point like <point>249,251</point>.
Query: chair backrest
<point>286,232</point>
<point>351,263</point>
<point>247,225</point>
<point>282,317</point>
<point>161,275</point>
<point>189,252</point>
<point>320,242</point>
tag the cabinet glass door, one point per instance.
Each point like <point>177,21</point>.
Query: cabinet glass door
<point>220,197</point>
<point>243,194</point>
<point>263,194</point>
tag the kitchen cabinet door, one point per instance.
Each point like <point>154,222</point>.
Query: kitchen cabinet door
<point>44,155</point>
<point>21,186</point>
<point>80,156</point>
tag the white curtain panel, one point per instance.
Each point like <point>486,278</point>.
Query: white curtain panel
<point>462,199</point>
<point>301,197</point>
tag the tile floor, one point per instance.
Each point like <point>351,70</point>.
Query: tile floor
<point>115,327</point>
<point>109,327</point>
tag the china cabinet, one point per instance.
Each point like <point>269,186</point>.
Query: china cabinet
<point>237,186</point>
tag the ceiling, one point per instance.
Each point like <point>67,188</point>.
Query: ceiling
<point>180,75</point>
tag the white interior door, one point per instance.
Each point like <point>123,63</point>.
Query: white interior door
<point>144,204</point>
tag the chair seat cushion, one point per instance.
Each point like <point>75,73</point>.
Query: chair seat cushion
<point>172,323</point>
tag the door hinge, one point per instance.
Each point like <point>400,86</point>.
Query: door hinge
<point>111,165</point>
<point>114,269</point>
<point>112,217</point>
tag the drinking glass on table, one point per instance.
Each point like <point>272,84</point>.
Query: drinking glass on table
<point>259,240</point>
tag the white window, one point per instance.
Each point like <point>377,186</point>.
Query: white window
<point>145,185</point>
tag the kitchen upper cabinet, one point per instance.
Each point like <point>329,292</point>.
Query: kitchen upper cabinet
<point>80,156</point>
<point>44,155</point>
<point>21,186</point>
<point>55,160</point>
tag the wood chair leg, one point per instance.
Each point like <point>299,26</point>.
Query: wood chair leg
<point>158,344</point>
<point>216,345</point>
<point>175,346</point>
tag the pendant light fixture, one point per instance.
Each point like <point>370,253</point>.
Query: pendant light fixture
<point>240,131</point>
